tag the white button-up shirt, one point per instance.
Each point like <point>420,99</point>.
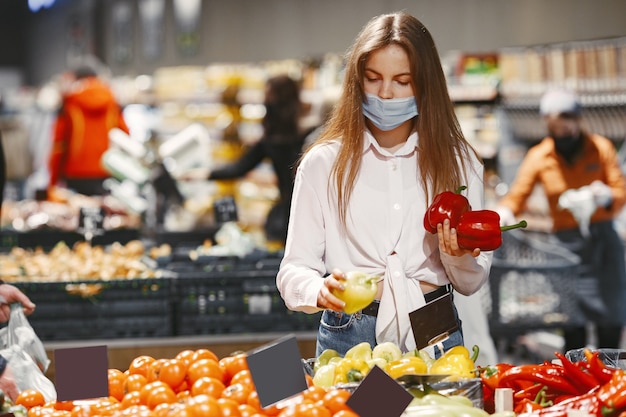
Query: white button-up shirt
<point>384,235</point>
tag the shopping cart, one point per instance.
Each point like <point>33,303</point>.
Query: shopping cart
<point>532,286</point>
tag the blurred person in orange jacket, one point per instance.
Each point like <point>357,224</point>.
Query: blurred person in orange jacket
<point>572,160</point>
<point>81,134</point>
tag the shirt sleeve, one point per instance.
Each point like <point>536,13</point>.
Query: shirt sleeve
<point>299,279</point>
<point>246,163</point>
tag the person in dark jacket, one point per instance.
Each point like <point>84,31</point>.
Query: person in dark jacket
<point>281,143</point>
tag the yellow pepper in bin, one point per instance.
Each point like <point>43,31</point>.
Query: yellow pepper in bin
<point>361,351</point>
<point>410,365</point>
<point>350,370</point>
<point>456,361</point>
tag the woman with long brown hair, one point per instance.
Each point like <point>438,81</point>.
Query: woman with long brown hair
<point>392,143</point>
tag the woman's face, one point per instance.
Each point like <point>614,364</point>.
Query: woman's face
<point>388,73</point>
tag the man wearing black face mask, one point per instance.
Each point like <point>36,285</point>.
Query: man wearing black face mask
<point>573,160</point>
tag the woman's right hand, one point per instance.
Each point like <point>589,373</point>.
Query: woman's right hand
<point>325,299</point>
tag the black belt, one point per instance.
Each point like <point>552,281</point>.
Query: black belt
<point>372,309</point>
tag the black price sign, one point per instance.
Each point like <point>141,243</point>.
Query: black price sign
<point>91,220</point>
<point>225,210</point>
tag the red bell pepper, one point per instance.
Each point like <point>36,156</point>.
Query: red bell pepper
<point>481,229</point>
<point>447,205</point>
<point>490,377</point>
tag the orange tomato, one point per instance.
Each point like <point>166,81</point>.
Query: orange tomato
<point>30,398</point>
<point>230,408</point>
<point>233,364</point>
<point>204,354</point>
<point>203,406</point>
<point>345,413</point>
<point>204,367</point>
<point>134,382</point>
<point>246,410</point>
<point>209,386</point>
<point>314,393</point>
<point>106,407</point>
<point>63,405</point>
<point>253,400</point>
<point>154,369</point>
<point>243,377</point>
<point>135,411</point>
<point>173,373</point>
<point>159,395</point>
<point>140,365</point>
<point>309,409</point>
<point>165,409</point>
<point>183,395</point>
<point>335,400</point>
<point>116,379</point>
<point>237,392</point>
<point>131,398</point>
<point>185,356</point>
<point>148,388</point>
<point>39,411</point>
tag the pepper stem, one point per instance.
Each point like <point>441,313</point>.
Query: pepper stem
<point>475,351</point>
<point>514,226</point>
<point>461,188</point>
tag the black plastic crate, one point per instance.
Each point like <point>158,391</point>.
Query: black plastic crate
<point>532,285</point>
<point>210,324</point>
<point>102,328</point>
<point>111,309</point>
<point>224,292</point>
<point>87,309</point>
<point>114,290</point>
<point>304,321</point>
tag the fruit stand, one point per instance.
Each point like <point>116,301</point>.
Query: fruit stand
<point>199,381</point>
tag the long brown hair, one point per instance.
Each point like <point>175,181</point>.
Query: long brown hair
<point>441,142</point>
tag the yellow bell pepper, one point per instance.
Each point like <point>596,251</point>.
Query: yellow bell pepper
<point>350,370</point>
<point>457,362</point>
<point>410,365</point>
<point>361,351</point>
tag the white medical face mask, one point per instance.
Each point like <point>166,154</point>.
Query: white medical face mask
<point>387,114</point>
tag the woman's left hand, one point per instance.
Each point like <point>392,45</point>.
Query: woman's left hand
<point>448,241</point>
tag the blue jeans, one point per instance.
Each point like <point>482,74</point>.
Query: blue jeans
<point>341,331</point>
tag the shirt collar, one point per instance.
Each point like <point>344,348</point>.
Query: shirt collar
<point>409,146</point>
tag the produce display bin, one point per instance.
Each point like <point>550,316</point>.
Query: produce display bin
<point>232,295</point>
<point>532,285</point>
<point>96,309</point>
<point>48,238</point>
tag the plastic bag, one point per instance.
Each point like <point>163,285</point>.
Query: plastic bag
<point>19,332</point>
<point>615,358</point>
<point>27,374</point>
<point>26,355</point>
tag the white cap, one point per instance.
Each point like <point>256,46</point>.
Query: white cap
<point>559,101</point>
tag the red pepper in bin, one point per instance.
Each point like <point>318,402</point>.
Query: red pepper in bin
<point>447,205</point>
<point>481,229</point>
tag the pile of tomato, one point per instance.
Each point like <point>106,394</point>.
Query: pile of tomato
<point>193,383</point>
